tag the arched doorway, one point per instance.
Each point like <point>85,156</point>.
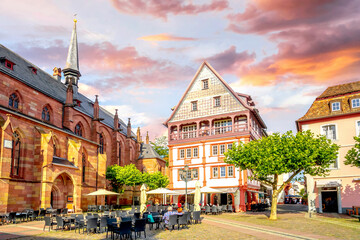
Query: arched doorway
<point>62,191</point>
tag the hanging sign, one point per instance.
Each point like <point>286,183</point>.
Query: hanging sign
<point>7,144</point>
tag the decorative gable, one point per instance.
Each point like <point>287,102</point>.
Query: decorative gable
<point>209,94</point>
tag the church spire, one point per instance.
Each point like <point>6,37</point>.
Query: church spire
<point>71,70</point>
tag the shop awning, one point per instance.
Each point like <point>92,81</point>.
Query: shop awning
<point>328,183</point>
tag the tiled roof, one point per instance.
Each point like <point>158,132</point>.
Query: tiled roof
<point>51,87</point>
<point>341,89</point>
<point>147,152</point>
<point>343,93</point>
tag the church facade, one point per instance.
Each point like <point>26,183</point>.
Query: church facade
<point>55,143</point>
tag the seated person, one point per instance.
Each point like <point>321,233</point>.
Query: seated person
<point>180,211</point>
<point>167,215</point>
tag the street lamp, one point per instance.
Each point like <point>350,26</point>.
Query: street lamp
<point>184,175</point>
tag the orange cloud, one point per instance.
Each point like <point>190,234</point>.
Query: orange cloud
<point>165,37</point>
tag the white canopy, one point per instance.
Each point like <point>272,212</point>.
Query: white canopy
<point>102,192</point>
<point>207,190</point>
<point>161,191</point>
<point>328,183</point>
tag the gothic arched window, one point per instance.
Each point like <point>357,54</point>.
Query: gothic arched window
<point>45,114</point>
<point>119,157</point>
<point>101,144</point>
<point>14,101</point>
<point>78,130</point>
<point>83,167</point>
<point>15,155</point>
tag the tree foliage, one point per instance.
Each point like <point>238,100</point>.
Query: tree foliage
<point>271,156</point>
<point>353,155</point>
<point>155,180</point>
<point>129,175</point>
<point>160,146</point>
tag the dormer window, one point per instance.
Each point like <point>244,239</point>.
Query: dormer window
<point>9,64</point>
<point>205,84</point>
<point>33,70</point>
<point>355,103</point>
<point>335,106</point>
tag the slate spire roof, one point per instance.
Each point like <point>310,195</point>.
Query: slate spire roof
<point>148,152</point>
<point>72,60</point>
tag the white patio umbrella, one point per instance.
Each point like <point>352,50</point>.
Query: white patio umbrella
<point>143,199</point>
<point>102,192</point>
<point>197,196</point>
<point>163,191</point>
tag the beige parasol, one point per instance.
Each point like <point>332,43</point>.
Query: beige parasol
<point>197,196</point>
<point>143,199</point>
<point>102,192</point>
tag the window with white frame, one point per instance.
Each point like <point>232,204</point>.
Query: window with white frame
<point>215,172</point>
<point>195,152</point>
<point>189,131</point>
<point>222,149</point>
<point>222,171</point>
<point>358,128</point>
<point>230,171</point>
<point>229,146</point>
<point>329,131</point>
<point>195,173</point>
<point>335,106</point>
<point>355,103</point>
<point>188,153</point>
<point>217,102</point>
<point>215,150</point>
<point>335,164</point>
<point>222,126</point>
<point>182,153</point>
<point>194,106</point>
<point>205,84</point>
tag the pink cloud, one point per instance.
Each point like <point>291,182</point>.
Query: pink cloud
<point>118,66</point>
<point>165,37</point>
<point>262,16</point>
<point>161,9</point>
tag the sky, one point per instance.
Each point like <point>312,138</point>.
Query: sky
<point>140,55</point>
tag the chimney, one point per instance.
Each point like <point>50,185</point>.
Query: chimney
<point>116,120</point>
<point>147,138</point>
<point>129,129</point>
<point>96,108</point>
<point>57,73</point>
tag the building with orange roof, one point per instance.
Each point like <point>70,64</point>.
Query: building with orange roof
<point>335,114</point>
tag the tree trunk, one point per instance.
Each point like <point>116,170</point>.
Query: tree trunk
<point>273,214</point>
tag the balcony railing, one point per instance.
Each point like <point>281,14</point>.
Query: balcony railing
<point>208,132</point>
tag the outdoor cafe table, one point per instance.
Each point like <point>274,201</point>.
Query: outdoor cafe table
<point>69,220</point>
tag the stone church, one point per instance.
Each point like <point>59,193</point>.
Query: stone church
<point>56,143</point>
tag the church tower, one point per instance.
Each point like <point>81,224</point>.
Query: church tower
<point>71,70</point>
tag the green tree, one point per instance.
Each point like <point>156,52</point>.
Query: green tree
<point>353,155</point>
<point>155,180</point>
<point>160,146</point>
<point>271,156</point>
<point>120,177</point>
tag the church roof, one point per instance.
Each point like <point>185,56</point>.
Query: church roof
<point>147,152</point>
<point>46,84</point>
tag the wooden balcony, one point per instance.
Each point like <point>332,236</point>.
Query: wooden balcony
<point>208,133</point>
